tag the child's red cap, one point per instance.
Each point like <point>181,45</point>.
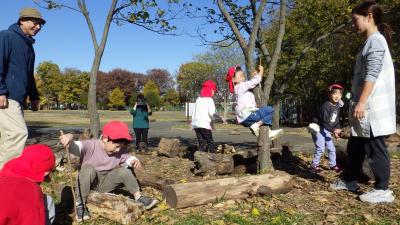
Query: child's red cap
<point>207,87</point>
<point>335,86</point>
<point>229,76</point>
<point>116,130</point>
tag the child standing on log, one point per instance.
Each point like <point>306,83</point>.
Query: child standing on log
<point>105,166</point>
<point>329,125</point>
<point>245,106</point>
<point>141,112</point>
<point>202,117</point>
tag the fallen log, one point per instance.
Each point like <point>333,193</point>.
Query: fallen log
<point>169,147</point>
<point>204,192</point>
<point>115,207</point>
<point>212,164</point>
<point>151,180</point>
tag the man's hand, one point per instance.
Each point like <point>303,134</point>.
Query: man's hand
<point>136,163</point>
<point>35,105</point>
<point>3,102</point>
<point>65,139</point>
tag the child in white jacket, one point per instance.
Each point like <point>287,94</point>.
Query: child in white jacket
<point>202,117</point>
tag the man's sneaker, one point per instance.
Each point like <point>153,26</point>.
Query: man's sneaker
<point>343,185</point>
<point>336,169</point>
<point>316,169</point>
<point>148,203</point>
<point>274,134</point>
<point>255,129</point>
<point>377,196</point>
<point>82,213</point>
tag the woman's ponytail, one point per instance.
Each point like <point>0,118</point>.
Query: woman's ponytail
<point>386,31</point>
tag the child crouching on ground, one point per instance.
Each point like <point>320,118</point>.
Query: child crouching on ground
<point>329,125</point>
<point>245,106</point>
<point>105,163</point>
<point>202,117</point>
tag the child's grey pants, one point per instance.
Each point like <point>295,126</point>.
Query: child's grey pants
<point>104,181</point>
<point>323,139</point>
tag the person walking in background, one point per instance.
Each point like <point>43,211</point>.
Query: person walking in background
<point>17,59</point>
<point>373,109</point>
<point>141,112</point>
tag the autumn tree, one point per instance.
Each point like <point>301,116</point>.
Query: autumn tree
<point>143,13</point>
<point>190,77</point>
<point>151,93</point>
<point>170,98</point>
<point>116,99</point>
<point>162,78</point>
<point>50,82</point>
<point>220,59</point>
<point>129,82</point>
<point>244,22</point>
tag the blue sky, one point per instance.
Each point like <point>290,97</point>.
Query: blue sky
<point>65,40</point>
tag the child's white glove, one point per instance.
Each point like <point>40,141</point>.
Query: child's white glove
<point>313,128</point>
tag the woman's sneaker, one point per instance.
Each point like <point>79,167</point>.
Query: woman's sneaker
<point>343,185</point>
<point>336,169</point>
<point>148,203</point>
<point>377,196</point>
<point>82,213</point>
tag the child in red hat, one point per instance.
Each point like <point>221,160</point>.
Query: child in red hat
<point>202,116</point>
<point>21,198</point>
<point>105,163</point>
<point>245,106</point>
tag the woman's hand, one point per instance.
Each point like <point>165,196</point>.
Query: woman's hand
<point>359,111</point>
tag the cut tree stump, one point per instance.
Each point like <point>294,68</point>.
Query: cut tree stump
<point>212,164</point>
<point>115,207</point>
<point>204,192</point>
<point>151,180</point>
<point>169,147</point>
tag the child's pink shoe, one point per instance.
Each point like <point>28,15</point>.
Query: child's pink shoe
<point>336,169</point>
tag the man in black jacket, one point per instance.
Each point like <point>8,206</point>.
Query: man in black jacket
<point>17,59</point>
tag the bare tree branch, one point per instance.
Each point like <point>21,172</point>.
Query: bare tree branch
<point>83,9</point>
<point>55,5</point>
<point>233,26</point>
<point>277,52</point>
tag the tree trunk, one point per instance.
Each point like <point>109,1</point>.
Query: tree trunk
<point>204,192</point>
<point>277,112</point>
<point>263,154</point>
<point>92,103</point>
<point>169,147</point>
<point>225,105</point>
<point>115,207</point>
<point>212,164</point>
<point>151,180</point>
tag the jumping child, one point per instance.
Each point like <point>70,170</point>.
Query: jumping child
<point>329,125</point>
<point>105,163</point>
<point>202,117</point>
<point>245,106</point>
